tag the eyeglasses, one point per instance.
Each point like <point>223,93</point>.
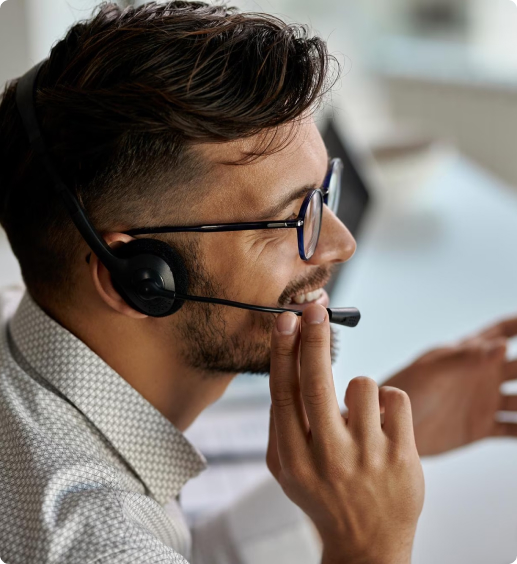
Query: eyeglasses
<point>307,224</point>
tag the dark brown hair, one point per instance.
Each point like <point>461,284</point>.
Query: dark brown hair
<point>122,101</point>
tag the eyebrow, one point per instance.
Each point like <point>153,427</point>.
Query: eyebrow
<point>280,206</point>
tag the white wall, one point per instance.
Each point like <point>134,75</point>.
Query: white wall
<point>13,40</point>
<point>48,21</point>
<point>480,119</point>
<point>14,60</point>
<point>29,28</point>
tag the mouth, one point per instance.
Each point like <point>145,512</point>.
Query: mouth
<point>301,301</point>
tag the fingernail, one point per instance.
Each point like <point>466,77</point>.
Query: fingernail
<point>314,315</point>
<point>286,323</point>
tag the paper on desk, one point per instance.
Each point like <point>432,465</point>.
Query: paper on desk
<point>234,440</point>
<point>219,486</point>
<point>262,527</point>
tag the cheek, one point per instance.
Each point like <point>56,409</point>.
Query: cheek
<point>266,267</point>
<point>253,269</point>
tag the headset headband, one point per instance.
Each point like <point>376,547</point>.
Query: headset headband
<point>25,100</point>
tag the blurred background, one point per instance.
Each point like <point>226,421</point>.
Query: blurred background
<point>427,103</point>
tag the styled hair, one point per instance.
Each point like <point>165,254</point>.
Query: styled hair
<point>122,101</point>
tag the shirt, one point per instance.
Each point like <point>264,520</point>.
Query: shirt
<point>90,471</point>
<point>86,463</point>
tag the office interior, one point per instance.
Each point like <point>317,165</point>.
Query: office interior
<point>427,104</point>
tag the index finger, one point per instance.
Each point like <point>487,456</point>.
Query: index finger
<point>505,328</point>
<point>316,381</point>
<point>284,383</point>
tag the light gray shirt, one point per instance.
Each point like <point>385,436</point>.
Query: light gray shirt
<point>86,463</point>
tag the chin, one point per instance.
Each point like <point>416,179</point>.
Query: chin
<point>209,348</point>
<point>261,367</point>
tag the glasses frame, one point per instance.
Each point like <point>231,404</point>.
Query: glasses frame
<point>336,166</point>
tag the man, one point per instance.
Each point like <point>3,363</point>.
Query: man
<point>185,115</point>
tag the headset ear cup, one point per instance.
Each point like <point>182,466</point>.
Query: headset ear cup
<point>163,260</point>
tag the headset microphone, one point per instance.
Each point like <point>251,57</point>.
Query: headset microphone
<point>349,317</point>
<point>148,273</point>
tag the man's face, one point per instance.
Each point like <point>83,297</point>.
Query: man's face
<point>255,267</point>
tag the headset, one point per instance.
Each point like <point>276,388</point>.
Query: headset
<point>149,274</point>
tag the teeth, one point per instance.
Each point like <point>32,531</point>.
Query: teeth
<point>309,297</point>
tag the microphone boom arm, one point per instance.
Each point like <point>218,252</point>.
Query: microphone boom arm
<point>348,317</point>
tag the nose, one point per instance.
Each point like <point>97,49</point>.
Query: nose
<point>336,244</point>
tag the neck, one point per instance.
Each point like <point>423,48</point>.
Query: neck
<point>140,352</point>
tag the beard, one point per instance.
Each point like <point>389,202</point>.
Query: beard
<point>208,345</point>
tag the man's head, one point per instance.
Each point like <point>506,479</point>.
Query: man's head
<point>176,113</point>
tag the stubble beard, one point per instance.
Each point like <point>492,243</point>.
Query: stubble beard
<point>209,347</point>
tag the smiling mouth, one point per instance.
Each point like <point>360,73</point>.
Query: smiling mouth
<point>310,295</point>
<point>307,297</point>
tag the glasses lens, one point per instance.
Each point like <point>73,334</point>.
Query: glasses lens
<point>335,186</point>
<point>312,224</point>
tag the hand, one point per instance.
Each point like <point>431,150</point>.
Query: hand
<point>455,391</point>
<point>360,482</point>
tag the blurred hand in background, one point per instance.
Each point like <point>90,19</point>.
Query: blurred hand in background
<point>455,391</point>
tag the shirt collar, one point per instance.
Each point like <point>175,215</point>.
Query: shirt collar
<point>154,448</point>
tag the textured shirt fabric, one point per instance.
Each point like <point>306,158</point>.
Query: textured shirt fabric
<point>86,463</point>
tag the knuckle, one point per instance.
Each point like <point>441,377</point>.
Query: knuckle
<point>372,460</point>
<point>314,337</point>
<point>282,348</point>
<point>317,394</point>
<point>402,456</point>
<point>282,398</point>
<point>331,469</point>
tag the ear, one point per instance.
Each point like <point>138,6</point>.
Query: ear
<point>102,282</point>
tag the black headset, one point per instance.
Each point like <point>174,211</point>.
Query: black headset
<point>149,274</point>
